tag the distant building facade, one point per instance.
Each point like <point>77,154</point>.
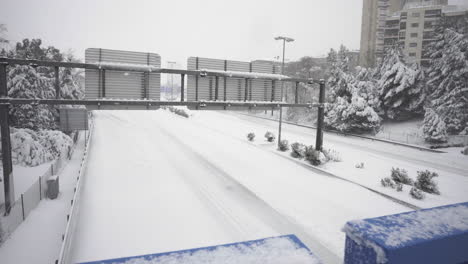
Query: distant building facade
<point>409,23</point>
<point>413,28</point>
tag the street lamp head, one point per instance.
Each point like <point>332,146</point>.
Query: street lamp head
<point>284,38</point>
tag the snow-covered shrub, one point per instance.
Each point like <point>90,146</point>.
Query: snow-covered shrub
<point>401,176</point>
<point>283,145</point>
<point>270,136</point>
<point>425,182</point>
<point>416,193</point>
<point>298,150</point>
<point>32,148</point>
<point>359,165</point>
<point>251,136</point>
<point>387,182</point>
<point>434,127</point>
<point>465,151</point>
<point>315,157</point>
<point>179,110</point>
<point>26,148</point>
<point>55,142</point>
<point>3,233</point>
<point>332,155</point>
<point>398,186</point>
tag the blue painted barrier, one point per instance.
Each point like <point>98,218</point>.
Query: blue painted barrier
<point>241,246</point>
<point>435,235</point>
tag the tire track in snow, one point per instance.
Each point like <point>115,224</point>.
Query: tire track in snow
<point>321,171</point>
<point>258,207</point>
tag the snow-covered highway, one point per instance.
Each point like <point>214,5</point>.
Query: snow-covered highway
<point>159,182</point>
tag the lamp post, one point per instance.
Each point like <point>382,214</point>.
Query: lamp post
<point>284,39</point>
<point>172,63</point>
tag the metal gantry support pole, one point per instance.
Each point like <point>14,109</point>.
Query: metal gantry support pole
<point>8,183</point>
<point>282,94</point>
<point>321,113</point>
<point>182,87</point>
<point>57,83</point>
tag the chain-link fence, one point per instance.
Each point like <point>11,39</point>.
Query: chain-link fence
<point>29,200</point>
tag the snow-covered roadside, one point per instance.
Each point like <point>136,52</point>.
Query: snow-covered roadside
<point>40,235</point>
<point>23,177</point>
<point>378,157</point>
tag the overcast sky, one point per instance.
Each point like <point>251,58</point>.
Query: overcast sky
<point>177,29</point>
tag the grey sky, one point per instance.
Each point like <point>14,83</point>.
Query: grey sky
<point>177,29</point>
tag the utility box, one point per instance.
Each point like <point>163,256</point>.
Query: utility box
<point>53,187</point>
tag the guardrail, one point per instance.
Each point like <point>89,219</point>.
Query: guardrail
<point>67,237</point>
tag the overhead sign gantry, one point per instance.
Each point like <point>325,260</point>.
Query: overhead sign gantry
<point>108,86</point>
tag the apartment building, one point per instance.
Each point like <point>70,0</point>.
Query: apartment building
<point>380,26</point>
<point>413,28</point>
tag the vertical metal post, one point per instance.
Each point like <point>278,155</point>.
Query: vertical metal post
<point>282,94</point>
<point>57,83</point>
<point>196,81</point>
<point>182,87</point>
<point>296,96</point>
<point>103,83</point>
<point>246,89</point>
<point>320,117</point>
<point>8,182</point>
<point>216,87</point>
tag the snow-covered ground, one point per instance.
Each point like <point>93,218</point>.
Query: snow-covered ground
<point>24,177</point>
<point>378,157</point>
<point>39,237</point>
<point>160,182</point>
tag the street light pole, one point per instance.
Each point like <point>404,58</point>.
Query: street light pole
<point>172,63</point>
<point>284,39</point>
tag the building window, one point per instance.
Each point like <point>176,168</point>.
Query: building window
<point>414,35</point>
<point>433,13</point>
<point>403,25</point>
<point>417,14</point>
<point>402,34</point>
<point>413,44</point>
<point>415,25</point>
<point>428,24</point>
<point>412,54</point>
<point>404,15</point>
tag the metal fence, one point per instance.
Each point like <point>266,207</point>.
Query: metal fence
<point>29,200</point>
<point>417,139</point>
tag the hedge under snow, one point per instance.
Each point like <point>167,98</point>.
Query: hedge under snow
<point>32,148</point>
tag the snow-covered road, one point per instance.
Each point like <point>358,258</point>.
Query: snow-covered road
<point>159,182</point>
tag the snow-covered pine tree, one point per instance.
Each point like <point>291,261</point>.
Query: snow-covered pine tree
<point>400,94</point>
<point>434,127</point>
<point>448,80</point>
<point>38,82</point>
<point>348,110</point>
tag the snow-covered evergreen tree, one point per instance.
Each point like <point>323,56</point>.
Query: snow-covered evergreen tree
<point>448,81</point>
<point>348,109</point>
<point>434,127</point>
<point>401,93</point>
<point>38,82</point>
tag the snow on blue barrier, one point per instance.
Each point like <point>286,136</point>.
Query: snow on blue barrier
<point>282,249</point>
<point>435,235</point>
